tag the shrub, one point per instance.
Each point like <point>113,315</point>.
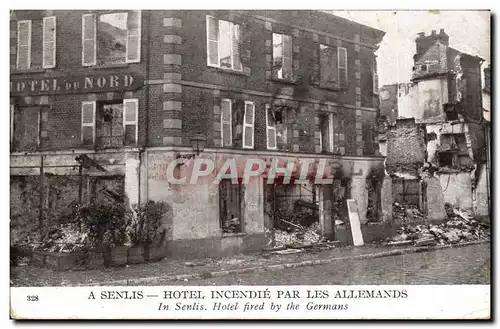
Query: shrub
<point>145,222</point>
<point>105,223</point>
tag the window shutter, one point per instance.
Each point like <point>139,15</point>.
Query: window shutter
<point>88,40</point>
<point>342,66</point>
<point>23,45</point>
<point>49,42</point>
<point>330,132</point>
<point>226,122</point>
<point>236,38</point>
<point>130,109</point>
<point>375,76</point>
<point>88,122</point>
<point>271,129</point>
<point>287,57</point>
<point>133,48</point>
<point>212,41</point>
<point>248,125</point>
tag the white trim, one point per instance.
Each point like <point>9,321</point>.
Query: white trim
<point>135,122</point>
<point>230,122</point>
<point>139,31</point>
<point>12,108</point>
<point>268,127</point>
<point>246,125</point>
<point>44,42</point>
<point>342,67</point>
<point>93,103</point>
<point>94,61</point>
<point>28,45</point>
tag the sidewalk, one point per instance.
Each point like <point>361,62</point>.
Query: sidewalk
<point>173,270</point>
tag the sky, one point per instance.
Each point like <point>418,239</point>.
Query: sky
<point>469,32</point>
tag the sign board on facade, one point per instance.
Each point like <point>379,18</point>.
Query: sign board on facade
<point>95,83</point>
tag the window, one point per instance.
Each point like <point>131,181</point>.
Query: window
<point>88,123</point>
<point>375,76</point>
<point>223,44</point>
<point>282,57</point>
<point>113,124</point>
<point>226,122</point>
<point>330,133</point>
<point>23,61</point>
<point>111,38</point>
<point>328,66</point>
<point>248,125</point>
<point>271,128</point>
<point>342,67</point>
<point>28,127</point>
<point>49,42</point>
<point>422,68</point>
<point>230,200</point>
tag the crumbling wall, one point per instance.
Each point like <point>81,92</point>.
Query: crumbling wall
<point>405,147</point>
<point>24,205</point>
<point>434,199</point>
<point>457,188</point>
<point>483,191</point>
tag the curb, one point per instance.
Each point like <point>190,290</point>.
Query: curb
<point>205,275</point>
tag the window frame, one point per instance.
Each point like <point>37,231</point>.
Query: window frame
<point>375,74</point>
<point>339,67</point>
<point>44,65</point>
<point>217,20</point>
<point>129,123</point>
<point>30,31</point>
<point>230,122</point>
<point>268,127</point>
<point>139,19</point>
<point>93,124</point>
<point>247,125</point>
<point>283,35</point>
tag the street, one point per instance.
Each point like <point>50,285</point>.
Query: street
<point>465,265</point>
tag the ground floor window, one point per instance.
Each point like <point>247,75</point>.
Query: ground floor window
<point>29,125</point>
<point>230,200</point>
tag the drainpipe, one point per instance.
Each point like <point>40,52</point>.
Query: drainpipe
<point>42,195</point>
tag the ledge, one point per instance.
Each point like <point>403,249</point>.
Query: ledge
<point>30,71</point>
<point>229,71</point>
<point>284,81</point>
<point>230,235</point>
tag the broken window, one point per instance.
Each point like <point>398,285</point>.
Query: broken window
<point>282,56</point>
<point>271,128</point>
<point>276,127</point>
<point>446,159</point>
<point>230,201</point>
<point>29,131</point>
<point>328,66</point>
<point>111,38</point>
<point>110,124</point>
<point>223,44</point>
<point>342,66</point>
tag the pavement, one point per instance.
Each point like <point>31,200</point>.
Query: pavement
<point>175,272</point>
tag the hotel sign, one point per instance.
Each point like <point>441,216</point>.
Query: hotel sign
<point>75,84</point>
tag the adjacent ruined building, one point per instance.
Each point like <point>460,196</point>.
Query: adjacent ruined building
<point>436,149</point>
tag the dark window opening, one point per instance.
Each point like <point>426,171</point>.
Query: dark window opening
<point>446,159</point>
<point>230,211</point>
<point>110,125</point>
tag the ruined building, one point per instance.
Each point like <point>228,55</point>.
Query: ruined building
<point>115,96</point>
<point>436,149</point>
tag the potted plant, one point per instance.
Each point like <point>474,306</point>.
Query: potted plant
<point>146,231</point>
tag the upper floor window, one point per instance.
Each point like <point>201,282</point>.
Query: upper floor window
<point>342,67</point>
<point>226,122</point>
<point>328,66</point>
<point>271,128</point>
<point>248,125</point>
<point>49,42</point>
<point>282,56</point>
<point>111,38</point>
<point>23,61</point>
<point>223,44</point>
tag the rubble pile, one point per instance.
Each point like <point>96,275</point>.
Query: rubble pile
<point>65,238</point>
<point>459,227</point>
<point>403,213</point>
<point>305,236</point>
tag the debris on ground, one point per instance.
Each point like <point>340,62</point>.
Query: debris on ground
<point>65,238</point>
<point>460,226</point>
<point>287,251</point>
<point>406,213</point>
<point>298,235</point>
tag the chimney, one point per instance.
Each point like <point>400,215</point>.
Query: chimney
<point>423,42</point>
<point>433,32</point>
